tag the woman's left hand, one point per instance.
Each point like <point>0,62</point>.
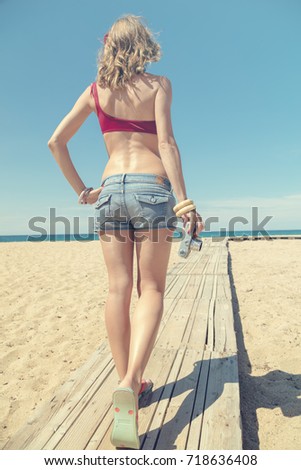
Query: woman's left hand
<point>92,196</point>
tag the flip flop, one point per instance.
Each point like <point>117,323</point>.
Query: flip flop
<point>125,426</point>
<point>146,387</point>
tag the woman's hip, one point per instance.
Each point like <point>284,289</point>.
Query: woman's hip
<point>136,199</point>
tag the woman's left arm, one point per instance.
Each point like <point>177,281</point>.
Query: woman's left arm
<point>63,133</point>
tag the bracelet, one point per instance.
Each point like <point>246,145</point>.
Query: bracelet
<point>182,204</point>
<point>83,195</point>
<point>186,209</point>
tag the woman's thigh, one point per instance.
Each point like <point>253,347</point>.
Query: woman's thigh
<point>118,253</point>
<point>153,249</point>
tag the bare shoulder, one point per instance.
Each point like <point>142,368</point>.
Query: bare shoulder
<point>163,83</point>
<point>160,80</point>
<point>86,98</point>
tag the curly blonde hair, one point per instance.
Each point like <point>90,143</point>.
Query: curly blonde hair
<point>127,49</point>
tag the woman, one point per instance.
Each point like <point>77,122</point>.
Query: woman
<point>135,201</point>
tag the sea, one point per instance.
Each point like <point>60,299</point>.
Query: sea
<point>176,234</point>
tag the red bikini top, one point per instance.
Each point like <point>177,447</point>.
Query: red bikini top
<point>110,123</point>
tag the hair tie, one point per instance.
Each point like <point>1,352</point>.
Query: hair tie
<point>105,38</point>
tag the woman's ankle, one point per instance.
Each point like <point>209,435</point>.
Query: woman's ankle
<point>132,382</point>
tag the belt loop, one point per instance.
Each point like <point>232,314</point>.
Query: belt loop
<point>123,177</point>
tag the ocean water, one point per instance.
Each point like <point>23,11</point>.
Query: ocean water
<point>92,236</point>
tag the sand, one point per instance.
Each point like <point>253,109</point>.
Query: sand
<point>52,319</point>
<point>267,283</point>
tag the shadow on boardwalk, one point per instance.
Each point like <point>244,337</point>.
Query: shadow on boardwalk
<point>260,391</point>
<point>197,401</point>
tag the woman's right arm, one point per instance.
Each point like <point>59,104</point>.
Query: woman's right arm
<point>169,151</point>
<point>167,145</point>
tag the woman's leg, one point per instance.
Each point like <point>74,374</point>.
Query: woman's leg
<point>118,255</point>
<point>153,253</point>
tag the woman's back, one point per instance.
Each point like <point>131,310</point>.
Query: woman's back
<point>136,152</point>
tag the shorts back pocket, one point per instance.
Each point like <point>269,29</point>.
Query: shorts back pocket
<point>102,201</point>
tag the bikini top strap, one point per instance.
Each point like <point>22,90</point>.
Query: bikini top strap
<point>93,91</point>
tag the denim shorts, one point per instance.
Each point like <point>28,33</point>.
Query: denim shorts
<point>135,201</point>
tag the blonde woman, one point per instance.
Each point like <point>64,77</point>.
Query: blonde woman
<point>136,207</point>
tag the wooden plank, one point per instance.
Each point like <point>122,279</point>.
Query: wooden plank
<point>225,339</point>
<point>207,291</point>
<point>148,441</point>
<point>220,337</point>
<point>210,327</point>
<point>67,426</point>
<point>222,265</point>
<point>177,287</point>
<point>178,267</point>
<point>227,286</point>
<point>196,334</point>
<point>201,265</point>
<point>190,262</point>
<point>192,287</point>
<point>194,435</point>
<point>175,426</point>
<point>223,287</point>
<point>77,430</point>
<point>169,307</point>
<point>210,268</point>
<point>171,336</point>
<point>170,279</point>
<point>222,422</point>
<point>101,437</point>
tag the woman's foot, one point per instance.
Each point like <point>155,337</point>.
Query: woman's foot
<point>134,385</point>
<point>125,426</point>
<point>146,387</point>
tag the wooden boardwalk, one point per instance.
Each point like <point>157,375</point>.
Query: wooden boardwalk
<point>238,238</point>
<point>195,402</point>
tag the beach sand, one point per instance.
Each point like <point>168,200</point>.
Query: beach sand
<point>267,306</point>
<point>53,298</point>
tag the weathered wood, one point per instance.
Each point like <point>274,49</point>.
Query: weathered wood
<point>223,287</point>
<point>210,326</point>
<point>211,267</point>
<point>79,427</point>
<point>171,336</point>
<point>222,423</point>
<point>175,427</point>
<point>225,339</point>
<point>208,289</point>
<point>150,438</point>
<point>196,331</point>
<point>178,286</point>
<point>192,287</point>
<point>194,435</point>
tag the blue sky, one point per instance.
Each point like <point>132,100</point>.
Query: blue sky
<point>235,70</point>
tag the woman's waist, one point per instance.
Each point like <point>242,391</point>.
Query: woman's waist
<point>134,162</point>
<point>135,181</point>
